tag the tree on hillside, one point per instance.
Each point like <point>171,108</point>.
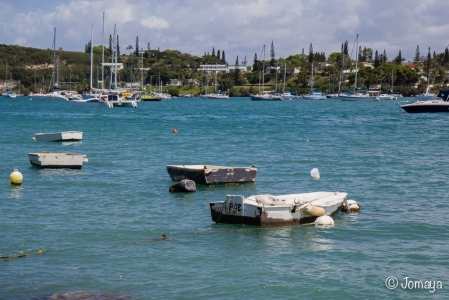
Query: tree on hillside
<point>213,51</point>
<point>417,54</point>
<point>118,47</point>
<point>87,47</point>
<point>345,48</point>
<point>384,58</point>
<point>272,55</point>
<point>223,56</point>
<point>110,44</point>
<point>360,54</point>
<point>237,71</point>
<point>427,65</point>
<point>218,53</point>
<point>310,53</point>
<point>376,60</point>
<point>148,46</point>
<point>137,46</point>
<point>398,59</point>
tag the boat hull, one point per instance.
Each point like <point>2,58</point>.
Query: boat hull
<point>314,97</point>
<point>289,209</point>
<point>59,136</point>
<point>91,103</point>
<point>48,160</point>
<point>359,98</point>
<point>427,107</point>
<point>210,175</point>
<point>266,98</point>
<point>124,103</point>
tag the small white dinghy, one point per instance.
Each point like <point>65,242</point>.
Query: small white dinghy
<point>268,210</point>
<point>59,136</point>
<point>47,160</point>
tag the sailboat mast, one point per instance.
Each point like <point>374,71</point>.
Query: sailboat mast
<point>141,69</point>
<point>356,58</point>
<point>54,56</point>
<point>311,82</point>
<point>91,56</point>
<point>285,74</point>
<point>342,71</point>
<point>115,57</point>
<point>6,75</point>
<point>392,80</point>
<point>263,70</point>
<point>102,56</point>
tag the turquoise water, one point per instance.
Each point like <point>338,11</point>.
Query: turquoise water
<point>101,226</point>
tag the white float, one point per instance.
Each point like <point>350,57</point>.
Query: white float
<point>324,220</point>
<point>315,173</point>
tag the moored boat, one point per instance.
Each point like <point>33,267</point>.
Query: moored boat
<point>47,160</point>
<point>314,95</point>
<point>59,136</point>
<point>266,97</point>
<point>93,102</point>
<point>208,174</point>
<point>440,103</point>
<point>269,210</point>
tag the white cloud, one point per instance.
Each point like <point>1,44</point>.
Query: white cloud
<point>153,22</point>
<point>239,27</point>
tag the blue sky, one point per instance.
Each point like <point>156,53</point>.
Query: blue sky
<point>237,27</point>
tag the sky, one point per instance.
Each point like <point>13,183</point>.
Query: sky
<point>238,27</point>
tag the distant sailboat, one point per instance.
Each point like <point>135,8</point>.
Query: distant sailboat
<point>313,95</point>
<point>357,95</point>
<point>93,100</point>
<point>117,97</point>
<point>264,96</point>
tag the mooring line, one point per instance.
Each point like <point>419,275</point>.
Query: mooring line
<point>164,237</point>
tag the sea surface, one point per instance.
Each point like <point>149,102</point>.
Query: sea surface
<point>101,228</point>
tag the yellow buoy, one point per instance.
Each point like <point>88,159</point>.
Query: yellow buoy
<point>16,177</point>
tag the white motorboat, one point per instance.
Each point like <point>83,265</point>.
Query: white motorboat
<point>47,160</point>
<point>289,96</point>
<point>440,103</point>
<point>59,136</point>
<point>269,210</point>
<point>314,96</point>
<point>387,97</point>
<point>427,95</point>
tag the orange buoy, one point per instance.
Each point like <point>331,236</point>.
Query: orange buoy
<point>175,131</point>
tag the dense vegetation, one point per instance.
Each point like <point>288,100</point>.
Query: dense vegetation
<point>27,66</point>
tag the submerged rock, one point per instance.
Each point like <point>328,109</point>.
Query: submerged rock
<point>185,185</point>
